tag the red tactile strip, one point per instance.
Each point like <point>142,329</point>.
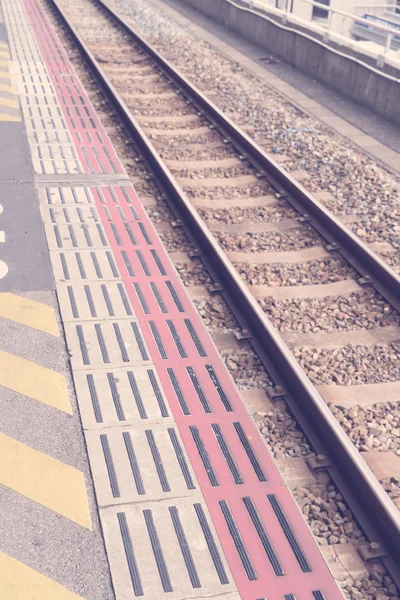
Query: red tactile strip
<point>94,148</point>
<point>268,546</point>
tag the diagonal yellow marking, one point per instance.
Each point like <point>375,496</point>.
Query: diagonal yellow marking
<point>9,118</point>
<point>3,44</point>
<point>4,63</point>
<point>28,312</point>
<point>9,102</point>
<point>44,479</point>
<point>20,582</point>
<point>4,54</point>
<point>35,381</point>
<point>5,75</point>
<point>7,88</point>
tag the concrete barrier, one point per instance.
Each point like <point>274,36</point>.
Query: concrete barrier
<point>341,67</point>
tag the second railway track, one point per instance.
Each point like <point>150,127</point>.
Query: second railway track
<point>333,301</point>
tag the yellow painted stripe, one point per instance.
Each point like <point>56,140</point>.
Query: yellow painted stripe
<point>20,582</point>
<point>28,312</point>
<point>7,88</point>
<point>45,480</point>
<point>4,63</point>
<point>4,54</point>
<point>10,118</point>
<point>3,45</point>
<point>5,75</point>
<point>35,381</point>
<point>9,102</point>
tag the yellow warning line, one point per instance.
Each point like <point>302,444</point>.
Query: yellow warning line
<point>45,480</point>
<point>28,312</point>
<point>9,103</point>
<point>7,88</point>
<point>35,381</point>
<point>9,118</point>
<point>5,62</point>
<point>19,582</point>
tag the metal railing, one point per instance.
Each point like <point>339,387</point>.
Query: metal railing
<point>390,31</point>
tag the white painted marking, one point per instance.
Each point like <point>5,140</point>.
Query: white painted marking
<point>3,269</point>
<point>1,208</point>
<point>2,237</point>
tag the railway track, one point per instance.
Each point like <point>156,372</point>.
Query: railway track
<point>272,251</point>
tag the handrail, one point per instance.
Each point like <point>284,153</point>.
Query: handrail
<point>265,7</point>
<point>328,9</point>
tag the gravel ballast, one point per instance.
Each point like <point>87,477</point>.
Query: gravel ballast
<point>246,369</point>
<point>193,273</point>
<point>351,365</point>
<point>329,517</point>
<point>216,315</point>
<point>237,215</point>
<point>281,434</point>
<point>314,272</point>
<point>356,183</point>
<point>375,427</point>
<point>355,312</point>
<point>293,239</point>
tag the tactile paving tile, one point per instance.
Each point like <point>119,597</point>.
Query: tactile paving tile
<point>52,146</point>
<point>107,343</point>
<point>136,464</point>
<point>74,235</point>
<point>65,195</point>
<point>70,214</point>
<point>84,301</point>
<point>167,548</point>
<point>157,544</point>
<point>95,154</point>
<point>122,396</point>
<point>87,265</point>
<point>53,158</point>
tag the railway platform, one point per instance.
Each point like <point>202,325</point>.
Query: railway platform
<point>129,464</point>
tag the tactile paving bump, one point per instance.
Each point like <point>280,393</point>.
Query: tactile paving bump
<point>84,265</point>
<point>78,195</point>
<point>111,343</point>
<point>167,548</point>
<point>74,235</point>
<point>84,301</point>
<point>139,463</point>
<point>120,396</point>
<point>70,214</point>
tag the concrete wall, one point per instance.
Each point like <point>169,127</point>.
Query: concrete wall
<point>342,73</point>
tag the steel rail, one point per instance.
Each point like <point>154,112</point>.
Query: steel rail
<point>379,516</point>
<point>364,260</point>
